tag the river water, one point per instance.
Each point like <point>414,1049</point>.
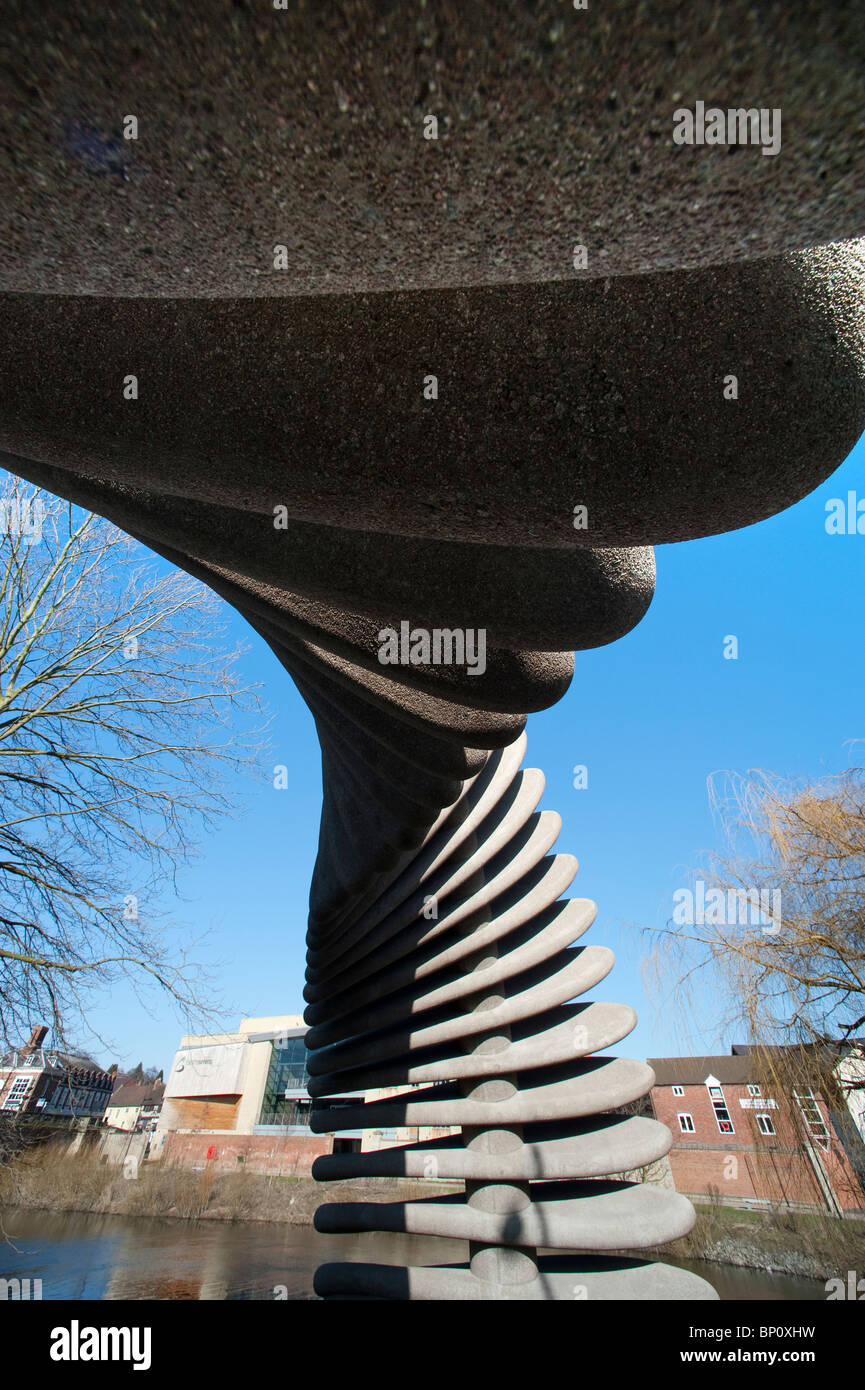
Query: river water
<point>115,1257</point>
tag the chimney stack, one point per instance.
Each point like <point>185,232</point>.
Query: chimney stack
<point>37,1037</point>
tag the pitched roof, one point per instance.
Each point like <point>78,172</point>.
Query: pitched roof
<point>833,1049</point>
<point>136,1094</point>
<point>49,1059</point>
<point>741,1066</point>
<point>692,1071</point>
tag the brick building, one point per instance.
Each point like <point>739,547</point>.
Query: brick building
<point>135,1106</point>
<point>41,1081</point>
<point>741,1145</point>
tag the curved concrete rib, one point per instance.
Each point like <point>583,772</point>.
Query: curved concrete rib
<point>529,945</point>
<point>453,823</point>
<point>306,126</point>
<point>596,1279</point>
<point>588,1216</point>
<point>586,1149</point>
<point>461,891</point>
<point>544,1040</point>
<point>658,455</point>
<point>529,898</point>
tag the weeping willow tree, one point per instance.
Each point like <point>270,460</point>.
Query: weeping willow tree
<point>779,921</point>
<point>121,719</point>
<point>774,942</point>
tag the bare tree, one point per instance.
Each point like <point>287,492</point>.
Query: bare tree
<point>121,715</point>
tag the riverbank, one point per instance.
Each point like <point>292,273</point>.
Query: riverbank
<point>50,1179</point>
<point>799,1244</point>
<point>803,1244</point>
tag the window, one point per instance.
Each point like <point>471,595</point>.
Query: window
<point>722,1114</point>
<point>764,1124</point>
<point>18,1093</point>
<point>60,1099</point>
<point>678,1090</point>
<point>813,1117</point>
<point>686,1124</point>
<point>753,1090</point>
<point>287,1073</point>
<point>296,1112</point>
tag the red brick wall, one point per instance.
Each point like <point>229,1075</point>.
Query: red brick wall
<point>748,1163</point>
<point>275,1154</point>
<point>776,1176</point>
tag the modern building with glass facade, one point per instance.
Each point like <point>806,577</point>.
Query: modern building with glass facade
<point>242,1098</point>
<point>249,1088</point>
<point>285,1104</point>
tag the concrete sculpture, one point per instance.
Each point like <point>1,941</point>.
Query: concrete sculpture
<point>284,443</point>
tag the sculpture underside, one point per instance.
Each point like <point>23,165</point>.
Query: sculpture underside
<point>444,964</point>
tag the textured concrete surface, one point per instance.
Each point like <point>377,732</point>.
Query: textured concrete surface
<point>304,127</point>
<point>594,1278</point>
<point>607,394</point>
<point>302,389</point>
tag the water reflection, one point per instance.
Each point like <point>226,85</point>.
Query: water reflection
<point>113,1257</point>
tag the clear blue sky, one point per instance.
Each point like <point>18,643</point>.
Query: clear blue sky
<point>652,717</point>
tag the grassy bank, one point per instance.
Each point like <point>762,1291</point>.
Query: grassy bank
<point>48,1179</point>
<point>810,1245</point>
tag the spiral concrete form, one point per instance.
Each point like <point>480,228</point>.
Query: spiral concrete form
<point>443,961</point>
<point>459,980</point>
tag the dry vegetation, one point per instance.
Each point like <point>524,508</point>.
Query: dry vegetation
<point>48,1178</point>
<point>810,1244</point>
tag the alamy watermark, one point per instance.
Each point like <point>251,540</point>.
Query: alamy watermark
<point>438,646</point>
<point>845,518</point>
<point>702,906</point>
<point>77,1343</point>
<point>853,1289</point>
<point>736,126</point>
<point>22,517</point>
<point>22,1290</point>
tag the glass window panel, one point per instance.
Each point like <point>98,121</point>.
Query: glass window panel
<point>287,1073</point>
